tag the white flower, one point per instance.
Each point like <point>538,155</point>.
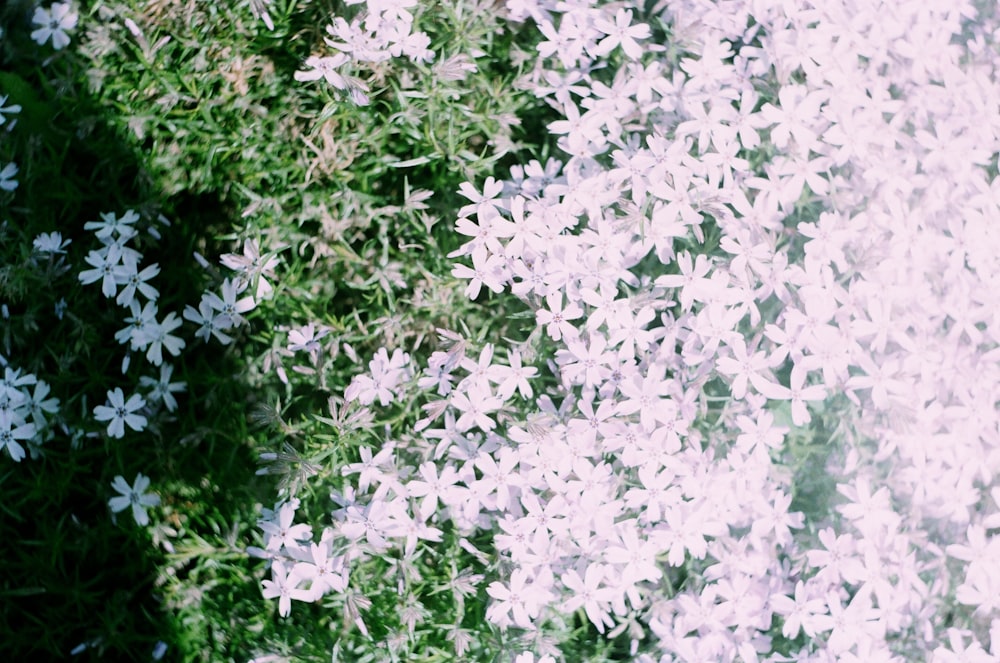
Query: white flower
<point>159,337</point>
<point>324,68</point>
<point>134,496</point>
<point>7,174</point>
<point>53,23</point>
<point>110,223</point>
<point>162,389</point>
<point>128,274</point>
<point>104,263</point>
<point>121,412</point>
<point>51,243</point>
<point>13,108</point>
<point>284,587</point>
<point>621,33</point>
<point>211,323</point>
<point>385,376</point>
<point>230,308</point>
<point>253,268</point>
<point>12,431</point>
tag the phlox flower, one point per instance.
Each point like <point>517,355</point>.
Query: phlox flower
<point>163,389</point>
<point>519,601</point>
<point>438,373</point>
<point>385,375</point>
<point>120,412</point>
<point>128,274</point>
<point>959,653</point>
<point>7,174</point>
<point>210,323</point>
<point>4,110</point>
<point>53,24</point>
<point>743,365</point>
<point>486,203</point>
<point>280,532</point>
<point>111,224</point>
<point>52,243</point>
<point>12,432</point>
<point>514,377</point>
<point>13,380</point>
<point>635,557</point>
<point>499,478</point>
<point>370,468</point>
<point>475,404</point>
<point>326,68</point>
<point>590,595</point>
<point>104,262</point>
<point>416,46</point>
<point>413,530</point>
<point>797,392</point>
<point>556,318</point>
<point>253,267</point>
<point>38,405</point>
<point>134,496</point>
<point>229,307</point>
<point>325,571</point>
<point>284,587</point>
<point>375,522</point>
<point>759,432</point>
<point>159,337</point>
<point>621,33</point>
<point>797,109</point>
<point>434,487</point>
<point>306,339</point>
<point>259,8</point>
<point>981,590</point>
<point>856,622</point>
<point>487,269</point>
<point>141,319</point>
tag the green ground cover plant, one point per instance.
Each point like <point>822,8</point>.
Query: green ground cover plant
<point>523,331</point>
<point>189,115</point>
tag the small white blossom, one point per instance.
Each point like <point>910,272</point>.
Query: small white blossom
<point>134,496</point>
<point>53,24</point>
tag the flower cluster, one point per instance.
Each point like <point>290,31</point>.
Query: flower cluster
<point>300,571</point>
<point>765,262</point>
<point>117,267</point>
<point>25,412</point>
<point>384,30</point>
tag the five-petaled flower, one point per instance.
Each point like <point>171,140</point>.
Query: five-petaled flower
<point>284,587</point>
<point>134,496</point>
<point>121,412</point>
<point>53,23</point>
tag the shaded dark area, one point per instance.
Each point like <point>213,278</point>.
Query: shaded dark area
<point>72,580</point>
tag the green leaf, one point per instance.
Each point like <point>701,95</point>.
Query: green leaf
<point>35,114</point>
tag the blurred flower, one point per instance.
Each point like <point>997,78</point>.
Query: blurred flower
<point>324,68</point>
<point>53,23</point>
<point>13,108</point>
<point>7,174</point>
<point>163,389</point>
<point>284,588</point>
<point>51,243</point>
<point>259,10</point>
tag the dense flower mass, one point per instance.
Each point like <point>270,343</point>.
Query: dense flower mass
<point>711,372</point>
<point>762,271</point>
